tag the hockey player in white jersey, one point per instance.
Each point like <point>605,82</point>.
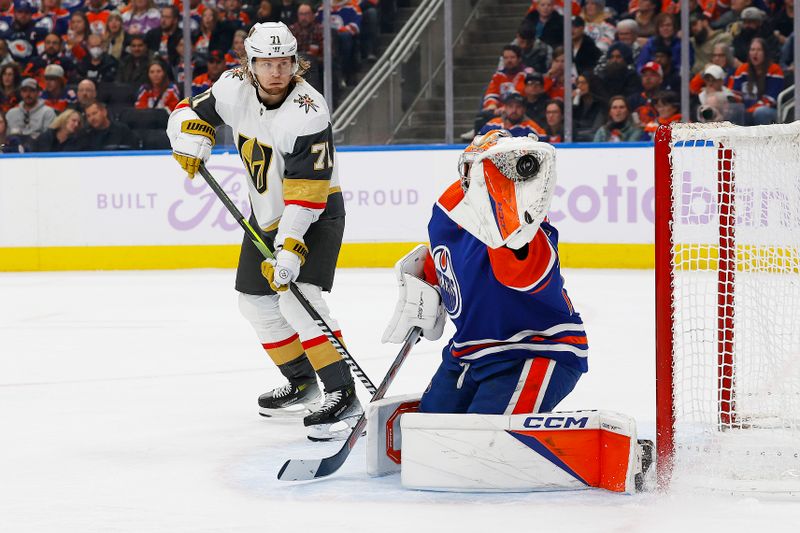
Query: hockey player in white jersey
<point>283,133</point>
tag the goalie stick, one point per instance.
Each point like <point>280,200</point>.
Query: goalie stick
<point>259,243</point>
<point>308,469</point>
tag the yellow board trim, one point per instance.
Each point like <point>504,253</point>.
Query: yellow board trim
<point>353,255</point>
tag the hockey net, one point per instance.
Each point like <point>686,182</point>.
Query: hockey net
<point>728,307</point>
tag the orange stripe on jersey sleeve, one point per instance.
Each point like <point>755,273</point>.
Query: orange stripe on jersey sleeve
<point>522,273</point>
<point>452,196</point>
<point>429,271</point>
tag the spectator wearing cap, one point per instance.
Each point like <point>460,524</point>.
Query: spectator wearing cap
<point>98,65</point>
<point>9,86</point>
<point>642,103</point>
<point>620,126</point>
<point>714,82</point>
<point>308,33</point>
<point>535,97</point>
<point>62,135</point>
<point>141,17</point>
<point>513,118</point>
<point>584,52</point>
<point>86,96</point>
<point>665,38</point>
<point>753,25</point>
<point>588,112</point>
<point>534,53</point>
<point>618,77</point>
<point>547,23</point>
<point>704,39</point>
<point>216,66</point>
<point>52,18</point>
<point>597,25</point>
<point>103,133</point>
<point>159,92</point>
<point>133,66</point>
<point>55,93</point>
<point>758,82</point>
<point>52,55</point>
<point>31,117</point>
<point>554,122</point>
<point>22,33</point>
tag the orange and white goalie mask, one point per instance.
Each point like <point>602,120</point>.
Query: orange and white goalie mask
<point>508,183</point>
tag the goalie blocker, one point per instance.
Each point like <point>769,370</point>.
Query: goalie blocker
<point>570,450</point>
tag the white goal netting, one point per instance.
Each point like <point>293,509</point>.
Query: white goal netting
<point>736,306</point>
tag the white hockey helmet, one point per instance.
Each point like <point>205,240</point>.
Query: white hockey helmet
<point>271,39</point>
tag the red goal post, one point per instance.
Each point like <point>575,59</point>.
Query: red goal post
<point>727,265</point>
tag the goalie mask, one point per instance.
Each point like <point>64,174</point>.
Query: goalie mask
<point>508,183</point>
<point>271,39</point>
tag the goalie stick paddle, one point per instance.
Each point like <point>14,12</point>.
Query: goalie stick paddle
<point>259,243</point>
<point>308,469</point>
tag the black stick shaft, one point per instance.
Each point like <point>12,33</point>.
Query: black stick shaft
<point>259,243</point>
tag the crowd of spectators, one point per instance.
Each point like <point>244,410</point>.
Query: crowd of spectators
<point>625,80</point>
<point>104,74</point>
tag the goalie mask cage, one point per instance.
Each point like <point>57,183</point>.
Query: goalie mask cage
<point>728,307</point>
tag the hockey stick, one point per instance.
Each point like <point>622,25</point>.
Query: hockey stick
<point>307,469</point>
<point>259,243</point>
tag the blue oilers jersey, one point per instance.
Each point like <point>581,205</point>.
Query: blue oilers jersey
<point>505,305</point>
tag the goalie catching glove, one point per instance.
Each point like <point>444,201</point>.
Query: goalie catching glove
<point>192,144</point>
<point>285,268</point>
<point>419,303</point>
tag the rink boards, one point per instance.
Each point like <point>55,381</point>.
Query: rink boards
<point>136,211</point>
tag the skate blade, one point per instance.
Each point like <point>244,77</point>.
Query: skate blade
<point>337,431</point>
<point>292,411</point>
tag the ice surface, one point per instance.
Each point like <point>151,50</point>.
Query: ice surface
<point>127,403</point>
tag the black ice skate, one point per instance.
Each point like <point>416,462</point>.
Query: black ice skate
<point>290,400</point>
<point>336,417</point>
<point>642,479</point>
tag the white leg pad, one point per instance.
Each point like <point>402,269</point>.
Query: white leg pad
<point>265,316</point>
<point>383,432</point>
<point>537,452</point>
<point>298,317</point>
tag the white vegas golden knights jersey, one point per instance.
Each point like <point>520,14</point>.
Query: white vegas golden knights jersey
<point>287,149</point>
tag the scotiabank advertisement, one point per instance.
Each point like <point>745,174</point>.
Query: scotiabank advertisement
<point>604,195</point>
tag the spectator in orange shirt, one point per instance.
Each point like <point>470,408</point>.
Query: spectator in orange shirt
<point>97,14</point>
<point>10,78</point>
<point>159,92</point>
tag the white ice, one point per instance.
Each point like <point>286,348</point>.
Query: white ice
<point>127,403</point>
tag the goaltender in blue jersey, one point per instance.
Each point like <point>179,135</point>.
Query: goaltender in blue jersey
<point>520,345</point>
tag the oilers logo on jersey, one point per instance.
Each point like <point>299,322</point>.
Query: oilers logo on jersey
<point>450,290</point>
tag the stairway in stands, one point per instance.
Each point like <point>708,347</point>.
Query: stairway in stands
<point>476,58</point>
